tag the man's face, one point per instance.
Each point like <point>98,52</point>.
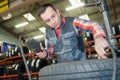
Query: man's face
<point>51,18</point>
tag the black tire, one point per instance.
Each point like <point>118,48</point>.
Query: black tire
<point>80,70</point>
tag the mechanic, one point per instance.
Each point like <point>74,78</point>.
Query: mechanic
<point>63,35</point>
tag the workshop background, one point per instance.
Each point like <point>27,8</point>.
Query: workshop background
<point>14,12</point>
<point>20,18</point>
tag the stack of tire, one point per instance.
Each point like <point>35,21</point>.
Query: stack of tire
<point>16,68</point>
<point>16,51</point>
<point>2,56</point>
<point>11,70</point>
<point>2,69</point>
<point>36,64</point>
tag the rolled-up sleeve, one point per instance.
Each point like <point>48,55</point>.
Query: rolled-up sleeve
<point>89,26</point>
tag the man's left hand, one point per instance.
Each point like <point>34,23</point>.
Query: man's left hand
<point>100,44</point>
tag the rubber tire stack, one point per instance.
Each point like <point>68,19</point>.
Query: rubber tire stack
<point>80,70</point>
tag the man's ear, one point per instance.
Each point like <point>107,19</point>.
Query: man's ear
<point>58,12</point>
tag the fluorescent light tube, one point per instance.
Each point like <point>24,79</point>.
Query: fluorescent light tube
<point>75,2</point>
<point>21,25</point>
<point>29,17</point>
<point>7,16</point>
<point>37,37</point>
<point>86,17</point>
<point>74,7</point>
<point>42,29</point>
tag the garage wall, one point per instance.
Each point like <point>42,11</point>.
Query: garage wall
<point>7,37</point>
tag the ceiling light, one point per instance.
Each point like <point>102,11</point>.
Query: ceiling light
<point>74,2</point>
<point>42,29</point>
<point>86,17</point>
<point>7,16</point>
<point>29,16</point>
<point>21,25</point>
<point>37,37</point>
<point>74,7</point>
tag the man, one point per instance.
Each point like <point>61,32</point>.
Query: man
<point>63,35</point>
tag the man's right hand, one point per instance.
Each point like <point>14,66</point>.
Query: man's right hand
<point>42,54</point>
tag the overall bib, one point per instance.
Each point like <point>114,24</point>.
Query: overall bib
<point>70,47</point>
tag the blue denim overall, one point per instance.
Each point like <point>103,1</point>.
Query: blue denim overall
<point>70,47</point>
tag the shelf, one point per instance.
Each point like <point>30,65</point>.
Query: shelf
<point>15,57</point>
<point>2,62</point>
<point>16,75</point>
<point>1,77</point>
<point>91,41</point>
<point>25,74</point>
<point>9,61</point>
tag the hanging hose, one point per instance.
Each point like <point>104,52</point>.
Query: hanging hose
<point>111,53</point>
<point>25,62</point>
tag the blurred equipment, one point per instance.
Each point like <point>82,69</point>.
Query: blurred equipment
<point>33,45</point>
<point>7,16</point>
